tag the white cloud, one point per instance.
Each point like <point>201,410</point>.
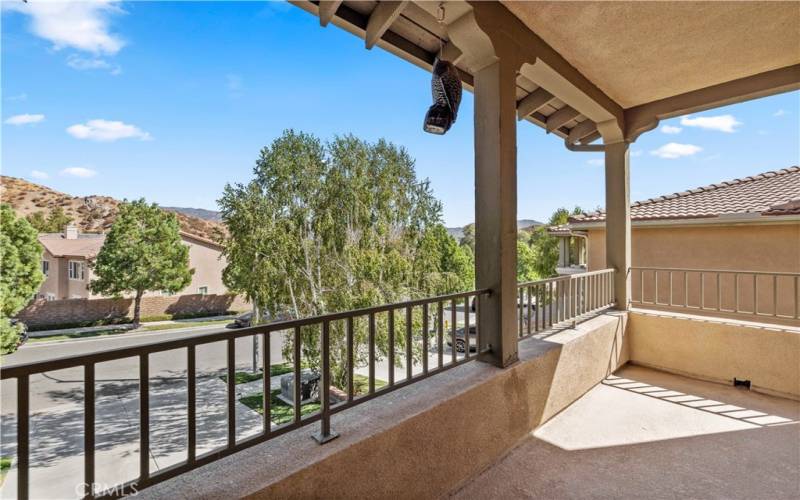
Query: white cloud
<point>38,174</point>
<point>674,150</point>
<point>671,129</point>
<point>81,172</point>
<point>722,123</point>
<point>596,162</point>
<point>638,152</point>
<point>79,25</point>
<point>24,119</point>
<point>780,112</point>
<point>763,132</point>
<point>19,97</point>
<point>82,64</point>
<point>107,131</point>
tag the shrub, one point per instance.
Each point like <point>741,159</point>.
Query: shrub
<point>9,335</point>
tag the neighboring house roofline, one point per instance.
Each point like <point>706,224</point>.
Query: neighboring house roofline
<point>753,199</point>
<point>204,241</point>
<point>88,245</point>
<point>721,220</point>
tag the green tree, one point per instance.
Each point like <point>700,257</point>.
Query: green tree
<point>142,251</point>
<point>332,227</point>
<point>526,263</point>
<point>468,238</point>
<point>20,271</point>
<point>55,221</point>
<point>545,246</point>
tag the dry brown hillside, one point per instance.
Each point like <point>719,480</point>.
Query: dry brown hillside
<point>91,213</point>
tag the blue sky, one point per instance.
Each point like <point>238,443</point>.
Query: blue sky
<point>171,100</point>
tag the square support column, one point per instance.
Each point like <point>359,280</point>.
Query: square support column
<point>618,220</point>
<point>496,210</point>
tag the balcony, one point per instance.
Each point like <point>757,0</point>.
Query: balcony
<point>566,390</point>
<point>594,388</point>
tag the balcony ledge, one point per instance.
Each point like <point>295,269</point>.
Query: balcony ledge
<point>424,440</point>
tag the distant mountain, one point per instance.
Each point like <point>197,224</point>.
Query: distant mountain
<point>456,232</point>
<point>528,223</point>
<point>522,224</point>
<point>200,213</point>
<point>92,214</point>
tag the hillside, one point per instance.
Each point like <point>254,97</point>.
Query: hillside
<point>91,213</point>
<point>522,224</point>
<point>200,213</point>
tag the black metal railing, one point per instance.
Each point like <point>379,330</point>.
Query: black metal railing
<point>545,303</point>
<point>417,335</point>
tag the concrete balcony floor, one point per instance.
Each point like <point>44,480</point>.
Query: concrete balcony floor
<point>649,434</point>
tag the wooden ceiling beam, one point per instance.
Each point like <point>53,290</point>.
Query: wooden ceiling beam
<point>561,117</point>
<point>327,9</point>
<point>533,102</point>
<point>381,19</point>
<point>581,130</point>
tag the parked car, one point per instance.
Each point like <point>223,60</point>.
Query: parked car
<point>23,331</point>
<point>523,304</point>
<point>243,320</point>
<point>461,342</point>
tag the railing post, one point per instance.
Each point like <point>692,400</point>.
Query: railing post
<point>618,220</point>
<point>494,64</point>
<point>325,434</point>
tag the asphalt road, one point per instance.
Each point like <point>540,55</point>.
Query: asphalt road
<point>57,407</point>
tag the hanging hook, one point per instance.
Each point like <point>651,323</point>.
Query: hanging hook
<point>440,20</point>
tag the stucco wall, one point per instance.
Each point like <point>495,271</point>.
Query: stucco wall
<point>718,350</point>
<point>773,248</point>
<point>441,431</point>
<point>51,281</point>
<point>208,264</point>
<point>206,261</point>
<point>766,248</point>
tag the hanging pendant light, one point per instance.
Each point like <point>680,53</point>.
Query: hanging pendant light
<point>446,91</point>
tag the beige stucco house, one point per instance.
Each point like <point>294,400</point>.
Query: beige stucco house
<point>750,224</point>
<point>66,257</point>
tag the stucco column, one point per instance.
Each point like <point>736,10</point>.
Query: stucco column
<point>618,220</point>
<point>496,210</point>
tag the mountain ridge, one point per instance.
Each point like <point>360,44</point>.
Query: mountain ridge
<point>92,214</point>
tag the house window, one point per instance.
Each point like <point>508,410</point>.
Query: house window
<point>76,270</point>
<point>46,267</point>
<point>203,290</point>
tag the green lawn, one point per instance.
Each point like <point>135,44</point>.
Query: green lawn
<point>114,330</point>
<point>281,413</point>
<point>5,464</point>
<point>183,324</point>
<point>67,336</point>
<point>274,371</point>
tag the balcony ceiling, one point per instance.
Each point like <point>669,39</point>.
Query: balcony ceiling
<point>633,62</point>
<point>638,52</point>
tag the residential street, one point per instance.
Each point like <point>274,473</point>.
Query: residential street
<point>56,403</point>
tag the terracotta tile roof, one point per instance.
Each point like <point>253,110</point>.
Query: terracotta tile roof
<point>770,193</point>
<point>85,245</point>
<point>88,245</point>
